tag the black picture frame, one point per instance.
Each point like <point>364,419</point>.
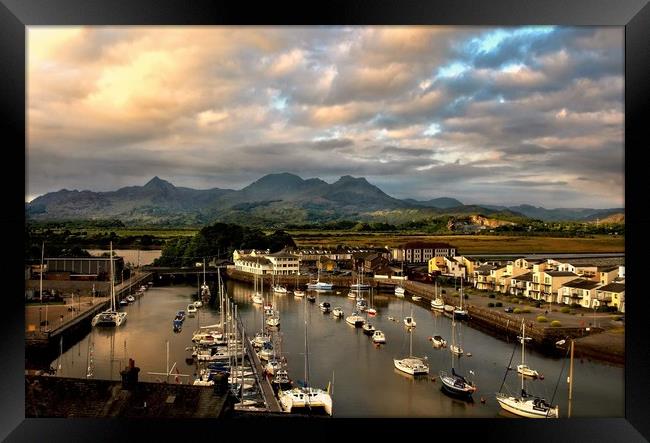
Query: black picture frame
<point>634,15</point>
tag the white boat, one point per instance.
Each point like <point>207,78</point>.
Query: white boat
<point>355,320</point>
<point>371,311</point>
<point>265,353</point>
<point>438,341</point>
<point>411,365</point>
<point>272,366</point>
<point>455,349</point>
<point>526,405</point>
<point>368,329</point>
<point>319,285</point>
<point>527,371</point>
<point>459,312</point>
<point>416,298</point>
<point>324,306</point>
<point>258,299</point>
<point>260,339</point>
<point>298,293</point>
<point>306,396</point>
<point>438,304</point>
<point>449,308</point>
<point>352,294</point>
<point>362,304</point>
<point>111,317</point>
<point>338,312</point>
<point>279,289</point>
<point>409,322</point>
<point>191,309</point>
<point>378,336</point>
<point>130,298</point>
<point>399,291</point>
<point>523,368</point>
<point>198,303</point>
<point>205,289</point>
<point>273,321</point>
<point>359,286</point>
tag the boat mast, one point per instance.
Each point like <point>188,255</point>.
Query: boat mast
<point>113,304</point>
<point>570,381</point>
<point>523,346</point>
<point>306,369</point>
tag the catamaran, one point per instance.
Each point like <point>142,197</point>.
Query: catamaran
<point>306,396</point>
<point>111,317</point>
<point>525,405</point>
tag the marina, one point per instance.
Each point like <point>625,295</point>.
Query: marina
<point>343,355</point>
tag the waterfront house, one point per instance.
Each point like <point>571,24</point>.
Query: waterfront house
<point>521,284</point>
<point>284,263</point>
<point>546,283</point>
<point>83,268</point>
<point>482,278</point>
<point>612,294</point>
<point>421,252</point>
<point>254,265</point>
<point>580,291</point>
<point>447,266</point>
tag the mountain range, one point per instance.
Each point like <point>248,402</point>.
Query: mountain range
<point>274,199</point>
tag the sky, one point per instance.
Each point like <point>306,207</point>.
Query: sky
<point>515,115</point>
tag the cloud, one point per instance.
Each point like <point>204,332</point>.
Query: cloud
<point>425,111</point>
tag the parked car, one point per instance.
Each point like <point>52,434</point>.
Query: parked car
<point>509,309</point>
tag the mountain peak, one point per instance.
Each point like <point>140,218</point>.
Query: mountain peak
<point>158,183</point>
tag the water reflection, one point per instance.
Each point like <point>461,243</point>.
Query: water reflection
<point>366,382</point>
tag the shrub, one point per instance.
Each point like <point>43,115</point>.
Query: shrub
<point>521,302</point>
<point>525,311</point>
<point>565,310</point>
<point>517,311</point>
<point>541,319</point>
<point>455,295</point>
<point>491,296</point>
<point>575,305</point>
<point>556,323</point>
<point>513,299</point>
<point>490,305</point>
<point>498,304</point>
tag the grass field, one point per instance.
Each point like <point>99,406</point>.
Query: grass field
<point>467,244</point>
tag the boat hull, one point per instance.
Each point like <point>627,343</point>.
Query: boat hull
<point>526,408</point>
<point>411,366</point>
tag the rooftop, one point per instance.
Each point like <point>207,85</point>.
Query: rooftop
<point>581,283</point>
<point>613,287</point>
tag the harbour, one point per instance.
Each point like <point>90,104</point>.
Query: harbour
<point>362,374</point>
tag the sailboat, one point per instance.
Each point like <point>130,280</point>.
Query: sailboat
<point>399,290</point>
<point>437,341</point>
<point>111,317</point>
<point>306,396</point>
<point>205,290</point>
<point>297,292</point>
<point>371,310</point>
<point>273,319</point>
<point>278,288</point>
<point>411,365</point>
<point>437,303</point>
<point>257,296</point>
<point>455,383</point>
<point>523,368</point>
<point>359,285</point>
<point>319,284</point>
<point>459,312</point>
<point>368,328</point>
<point>409,321</point>
<point>526,405</point>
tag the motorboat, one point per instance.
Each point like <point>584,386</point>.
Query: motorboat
<point>409,322</point>
<point>368,329</point>
<point>260,339</point>
<point>279,289</point>
<point>416,298</point>
<point>198,303</point>
<point>352,294</point>
<point>362,305</point>
<point>130,298</point>
<point>298,293</point>
<point>371,311</point>
<point>272,366</point>
<point>438,304</point>
<point>123,302</point>
<point>400,291</point>
<point>355,320</point>
<point>324,306</point>
<point>281,381</point>
<point>273,321</point>
<point>438,341</point>
<point>378,336</point>
<point>455,349</point>
<point>311,298</point>
<point>191,309</point>
<point>527,371</point>
<point>319,285</point>
<point>258,299</point>
<point>338,312</point>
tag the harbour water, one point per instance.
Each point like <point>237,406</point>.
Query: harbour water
<point>365,381</point>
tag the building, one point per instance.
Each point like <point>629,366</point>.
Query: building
<point>521,284</point>
<point>546,283</point>
<point>421,252</point>
<point>264,263</point>
<point>612,294</point>
<point>579,291</point>
<point>284,263</point>
<point>451,267</point>
<point>84,268</point>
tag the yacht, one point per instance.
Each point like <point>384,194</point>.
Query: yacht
<point>111,317</point>
<point>355,320</point>
<point>338,312</point>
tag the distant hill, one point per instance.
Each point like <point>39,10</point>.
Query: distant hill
<point>274,199</point>
<point>558,214</point>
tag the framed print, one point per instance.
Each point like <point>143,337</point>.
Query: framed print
<point>409,215</point>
